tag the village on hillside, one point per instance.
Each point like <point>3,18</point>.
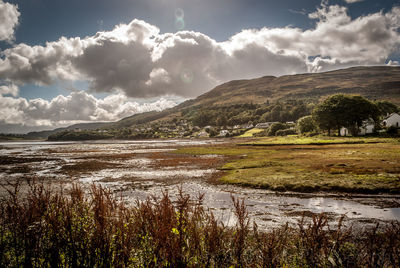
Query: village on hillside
<point>291,118</point>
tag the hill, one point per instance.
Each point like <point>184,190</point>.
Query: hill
<point>374,83</point>
<point>45,133</point>
<point>381,83</point>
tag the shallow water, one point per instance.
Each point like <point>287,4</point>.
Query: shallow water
<point>137,171</point>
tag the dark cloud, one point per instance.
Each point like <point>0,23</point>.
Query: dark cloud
<point>114,65</point>
<point>137,60</point>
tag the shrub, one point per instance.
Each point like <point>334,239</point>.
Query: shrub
<point>274,128</point>
<point>285,132</point>
<point>306,124</point>
<point>391,130</point>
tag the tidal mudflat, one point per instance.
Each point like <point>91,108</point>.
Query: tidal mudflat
<point>136,170</point>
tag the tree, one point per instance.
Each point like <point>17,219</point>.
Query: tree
<point>203,118</point>
<point>274,128</point>
<point>276,113</point>
<point>221,120</point>
<point>386,107</point>
<point>324,114</point>
<point>306,124</point>
<point>358,109</point>
<point>344,111</point>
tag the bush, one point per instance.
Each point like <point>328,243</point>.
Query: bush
<point>306,124</point>
<point>285,132</point>
<point>274,128</point>
<point>391,130</point>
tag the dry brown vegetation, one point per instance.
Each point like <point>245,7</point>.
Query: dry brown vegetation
<point>71,228</point>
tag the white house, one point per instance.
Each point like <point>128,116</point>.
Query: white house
<point>246,126</point>
<point>264,125</point>
<point>392,120</point>
<point>223,133</point>
<point>368,127</point>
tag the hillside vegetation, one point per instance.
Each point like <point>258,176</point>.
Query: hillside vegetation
<point>371,82</point>
<point>286,98</point>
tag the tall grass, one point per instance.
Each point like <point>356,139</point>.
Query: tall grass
<point>76,228</point>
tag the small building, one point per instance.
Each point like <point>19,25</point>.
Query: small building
<point>368,127</point>
<point>391,120</point>
<point>264,125</point>
<point>223,133</point>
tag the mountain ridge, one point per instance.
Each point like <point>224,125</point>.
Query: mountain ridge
<point>372,82</point>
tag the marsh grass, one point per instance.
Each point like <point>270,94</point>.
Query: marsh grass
<point>354,168</point>
<point>316,140</point>
<point>73,228</point>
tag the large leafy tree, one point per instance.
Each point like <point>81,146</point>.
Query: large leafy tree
<point>306,124</point>
<point>386,107</point>
<point>344,111</point>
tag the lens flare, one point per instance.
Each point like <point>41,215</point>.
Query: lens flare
<point>179,14</point>
<point>179,24</point>
<point>187,76</point>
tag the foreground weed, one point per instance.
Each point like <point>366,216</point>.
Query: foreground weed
<point>45,227</point>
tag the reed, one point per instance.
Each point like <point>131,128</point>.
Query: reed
<point>49,227</point>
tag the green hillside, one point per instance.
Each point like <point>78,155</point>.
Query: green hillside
<point>381,83</point>
<point>239,99</point>
<point>374,83</point>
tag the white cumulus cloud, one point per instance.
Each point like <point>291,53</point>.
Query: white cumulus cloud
<point>8,20</point>
<point>78,107</point>
<point>136,61</point>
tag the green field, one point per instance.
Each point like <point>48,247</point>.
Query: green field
<point>356,165</point>
<point>318,140</point>
<point>250,133</point>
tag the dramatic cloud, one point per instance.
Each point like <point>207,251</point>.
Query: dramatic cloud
<point>135,60</point>
<point>139,61</point>
<point>75,108</point>
<point>8,20</point>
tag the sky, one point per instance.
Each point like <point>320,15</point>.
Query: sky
<point>65,62</point>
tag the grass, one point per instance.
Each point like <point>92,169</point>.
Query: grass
<point>335,167</point>
<point>318,140</point>
<point>211,150</point>
<point>74,228</point>
<point>251,132</point>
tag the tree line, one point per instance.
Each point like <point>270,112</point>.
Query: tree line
<point>348,111</point>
